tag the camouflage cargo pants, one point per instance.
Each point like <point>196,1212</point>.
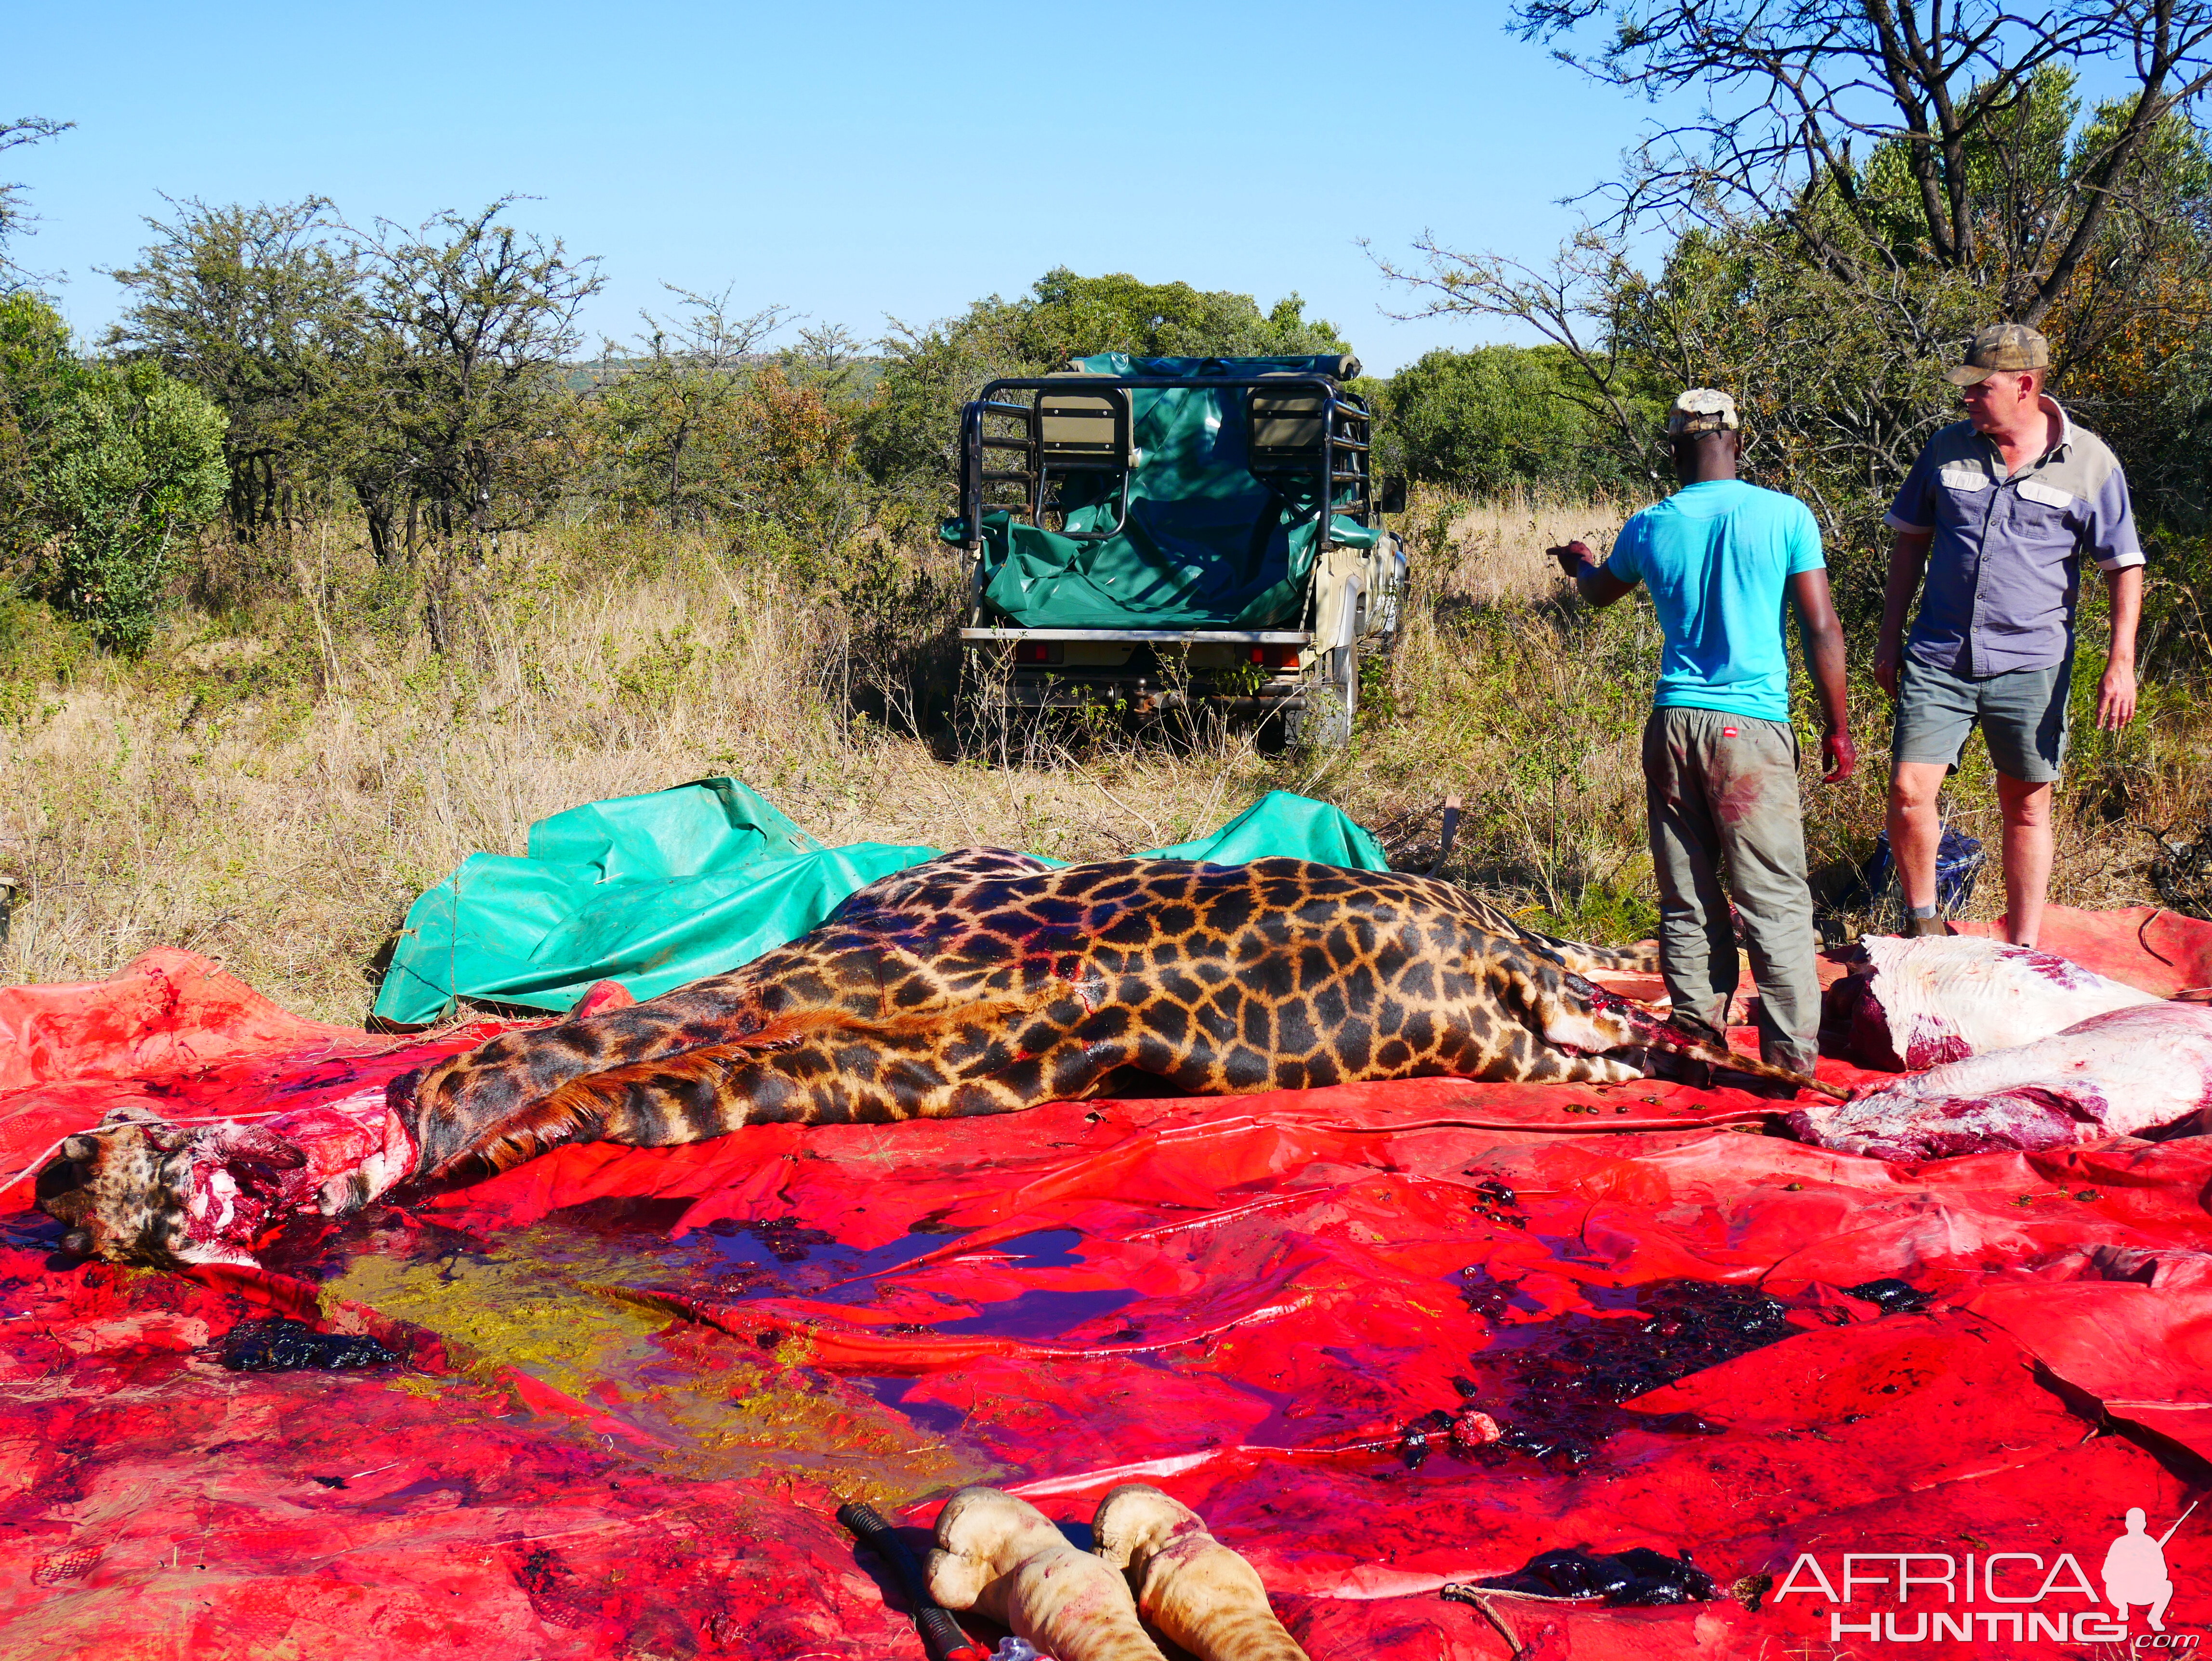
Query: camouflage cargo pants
<point>1723,790</point>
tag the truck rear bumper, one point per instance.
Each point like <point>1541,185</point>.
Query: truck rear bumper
<point>1143,670</point>
<point>1144,697</point>
<point>1153,636</point>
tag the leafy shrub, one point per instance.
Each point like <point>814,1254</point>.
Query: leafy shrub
<point>1487,420</point>
<point>137,465</point>
<point>40,377</point>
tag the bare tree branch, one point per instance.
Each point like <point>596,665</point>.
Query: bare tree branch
<point>1785,87</point>
<point>15,220</point>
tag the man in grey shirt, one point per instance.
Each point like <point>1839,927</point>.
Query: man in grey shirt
<point>1998,511</point>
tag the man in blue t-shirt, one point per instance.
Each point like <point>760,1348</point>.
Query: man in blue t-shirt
<point>1720,756</point>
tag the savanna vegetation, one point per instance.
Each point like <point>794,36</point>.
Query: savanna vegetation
<point>346,553</point>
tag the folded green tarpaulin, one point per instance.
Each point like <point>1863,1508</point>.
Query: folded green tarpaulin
<point>658,890</point>
<point>1207,544</point>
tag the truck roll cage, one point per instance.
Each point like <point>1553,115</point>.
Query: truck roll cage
<point>1078,424</point>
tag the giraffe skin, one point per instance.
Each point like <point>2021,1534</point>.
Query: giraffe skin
<point>981,982</point>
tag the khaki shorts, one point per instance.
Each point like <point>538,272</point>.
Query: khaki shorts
<point>2022,714</point>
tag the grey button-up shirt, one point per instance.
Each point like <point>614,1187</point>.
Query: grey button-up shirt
<point>2004,572</point>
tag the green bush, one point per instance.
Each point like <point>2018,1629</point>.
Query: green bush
<point>137,465</point>
<point>40,377</point>
<point>1487,420</point>
<point>102,470</point>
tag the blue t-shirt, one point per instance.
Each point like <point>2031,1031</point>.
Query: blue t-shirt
<point>1718,558</point>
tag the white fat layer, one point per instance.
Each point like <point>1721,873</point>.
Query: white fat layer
<point>216,1252</point>
<point>1984,993</point>
<point>377,1174</point>
<point>2126,1071</point>
<point>390,1160</point>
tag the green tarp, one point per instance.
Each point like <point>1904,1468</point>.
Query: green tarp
<point>658,890</point>
<point>1207,544</point>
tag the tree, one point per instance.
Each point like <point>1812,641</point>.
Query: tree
<point>137,465</point>
<point>910,430</point>
<point>1582,304</point>
<point>15,217</point>
<point>1073,316</point>
<point>675,414</point>
<point>457,389</point>
<point>1790,94</point>
<point>1832,318</point>
<point>2129,334</point>
<point>829,358</point>
<point>254,306</point>
<point>40,377</point>
<point>1496,417</point>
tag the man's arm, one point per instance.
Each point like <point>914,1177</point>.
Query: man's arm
<point>1908,559</point>
<point>1598,586</point>
<point>2111,540</point>
<point>2116,693</point>
<point>1824,656</point>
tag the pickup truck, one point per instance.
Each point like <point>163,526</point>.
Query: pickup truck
<point>1155,534</point>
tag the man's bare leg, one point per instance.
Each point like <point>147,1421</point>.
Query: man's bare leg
<point>2028,855</point>
<point>1914,828</point>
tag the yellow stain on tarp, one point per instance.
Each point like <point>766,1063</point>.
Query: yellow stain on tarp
<point>708,1405</point>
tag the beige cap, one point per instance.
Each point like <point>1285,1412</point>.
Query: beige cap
<point>1701,409</point>
<point>2001,346</point>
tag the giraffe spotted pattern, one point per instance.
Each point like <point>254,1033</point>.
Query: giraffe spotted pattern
<point>981,981</point>
<point>985,982</point>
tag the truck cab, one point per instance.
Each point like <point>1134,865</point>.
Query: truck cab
<point>1153,534</point>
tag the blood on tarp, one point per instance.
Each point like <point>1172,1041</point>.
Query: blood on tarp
<point>282,1345</point>
<point>1554,1387</point>
<point>1639,1577</point>
<point>634,1384</point>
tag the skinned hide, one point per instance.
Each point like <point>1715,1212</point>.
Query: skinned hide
<point>2119,1073</point>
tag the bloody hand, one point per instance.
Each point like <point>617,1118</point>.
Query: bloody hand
<point>1841,755</point>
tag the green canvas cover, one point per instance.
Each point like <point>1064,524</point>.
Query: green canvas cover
<point>1207,544</point>
<point>658,890</point>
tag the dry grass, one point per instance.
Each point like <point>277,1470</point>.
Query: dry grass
<point>1492,553</point>
<point>276,792</point>
<point>277,782</point>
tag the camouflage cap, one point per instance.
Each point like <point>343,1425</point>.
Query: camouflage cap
<point>2012,346</point>
<point>1701,409</point>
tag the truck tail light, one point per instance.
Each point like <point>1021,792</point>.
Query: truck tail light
<point>1036,651</point>
<point>1275,657</point>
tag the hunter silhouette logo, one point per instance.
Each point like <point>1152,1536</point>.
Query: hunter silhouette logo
<point>2135,1568</point>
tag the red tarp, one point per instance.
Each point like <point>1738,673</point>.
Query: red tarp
<point>637,1382</point>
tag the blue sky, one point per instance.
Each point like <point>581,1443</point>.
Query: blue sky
<point>849,159</point>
